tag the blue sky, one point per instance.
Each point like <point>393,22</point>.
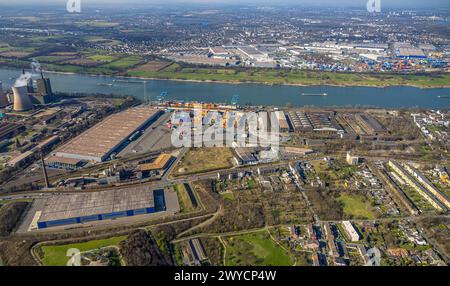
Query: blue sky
<point>332,3</point>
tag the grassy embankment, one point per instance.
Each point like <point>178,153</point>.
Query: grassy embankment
<point>294,77</point>
<point>129,66</point>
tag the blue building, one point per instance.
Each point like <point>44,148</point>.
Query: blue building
<point>106,205</point>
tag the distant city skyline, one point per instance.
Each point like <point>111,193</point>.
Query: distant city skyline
<point>325,3</point>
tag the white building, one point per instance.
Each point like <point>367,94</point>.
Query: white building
<point>351,231</point>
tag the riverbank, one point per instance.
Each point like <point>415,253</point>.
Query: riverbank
<point>293,77</point>
<point>126,76</point>
<point>282,84</point>
<point>249,93</point>
<point>270,77</point>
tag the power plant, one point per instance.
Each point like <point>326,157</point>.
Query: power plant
<point>3,99</point>
<point>43,93</point>
<point>22,102</point>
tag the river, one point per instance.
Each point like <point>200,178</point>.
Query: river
<point>254,94</point>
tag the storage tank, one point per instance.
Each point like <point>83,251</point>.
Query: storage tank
<point>22,102</point>
<point>3,100</point>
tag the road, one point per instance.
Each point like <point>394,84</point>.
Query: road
<point>164,182</point>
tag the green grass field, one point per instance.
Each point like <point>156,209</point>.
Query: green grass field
<point>229,196</point>
<point>56,255</point>
<point>356,206</point>
<point>102,58</point>
<point>299,77</point>
<point>124,63</point>
<point>256,249</point>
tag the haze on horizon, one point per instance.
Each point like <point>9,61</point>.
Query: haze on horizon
<point>323,3</point>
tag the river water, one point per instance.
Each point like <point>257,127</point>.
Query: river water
<point>254,94</point>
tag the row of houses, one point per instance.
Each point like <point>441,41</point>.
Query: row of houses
<point>439,202</point>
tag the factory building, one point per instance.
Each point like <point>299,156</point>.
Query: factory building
<point>160,163</point>
<point>246,156</point>
<point>351,231</point>
<point>219,52</point>
<point>9,130</point>
<point>408,51</point>
<point>370,124</point>
<point>323,122</point>
<point>254,54</point>
<point>302,122</point>
<point>29,155</point>
<point>21,159</point>
<point>299,121</point>
<point>100,142</point>
<point>3,99</point>
<point>429,197</point>
<point>44,92</point>
<point>64,163</point>
<point>88,207</point>
<point>157,166</point>
<point>282,122</point>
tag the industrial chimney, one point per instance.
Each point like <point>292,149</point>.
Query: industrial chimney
<point>22,102</point>
<point>3,100</point>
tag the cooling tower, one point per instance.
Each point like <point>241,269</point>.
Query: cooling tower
<point>3,100</point>
<point>22,101</point>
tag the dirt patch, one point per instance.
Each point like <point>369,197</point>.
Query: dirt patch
<point>14,54</point>
<point>16,252</point>
<point>82,62</point>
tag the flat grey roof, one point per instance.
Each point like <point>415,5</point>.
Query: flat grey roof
<point>86,204</point>
<point>107,134</point>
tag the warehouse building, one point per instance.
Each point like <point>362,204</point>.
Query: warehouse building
<point>246,156</point>
<point>100,142</point>
<point>88,207</point>
<point>282,122</point>
<point>299,121</point>
<point>9,130</point>
<point>156,167</point>
<point>64,163</point>
<point>370,124</point>
<point>405,50</point>
<point>30,155</point>
<point>306,121</point>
